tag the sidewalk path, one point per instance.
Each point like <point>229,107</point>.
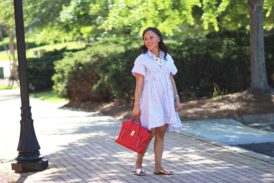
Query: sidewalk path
<point>80,148</point>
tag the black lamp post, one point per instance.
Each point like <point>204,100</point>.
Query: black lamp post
<point>28,158</point>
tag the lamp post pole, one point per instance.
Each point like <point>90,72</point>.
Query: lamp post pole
<point>28,158</point>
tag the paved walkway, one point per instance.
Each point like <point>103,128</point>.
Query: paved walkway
<point>80,148</point>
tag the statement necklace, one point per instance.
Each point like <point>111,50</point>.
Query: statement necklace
<point>159,60</point>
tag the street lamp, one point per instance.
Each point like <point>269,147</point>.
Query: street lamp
<point>28,158</point>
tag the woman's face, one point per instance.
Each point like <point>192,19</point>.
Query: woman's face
<point>151,40</point>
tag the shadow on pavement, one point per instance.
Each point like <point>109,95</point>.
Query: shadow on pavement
<point>96,157</point>
<point>263,148</point>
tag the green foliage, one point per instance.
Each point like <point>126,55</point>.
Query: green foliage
<point>80,76</point>
<point>269,57</point>
<point>43,13</point>
<point>40,70</point>
<point>115,73</point>
<point>66,70</point>
<point>6,87</point>
<point>60,21</point>
<point>6,14</point>
<point>134,16</point>
<point>50,36</point>
<point>173,17</point>
<point>99,70</point>
<point>4,44</point>
<point>49,96</point>
<point>220,58</point>
<point>218,65</point>
<point>83,18</point>
<point>213,9</point>
<point>29,44</point>
<point>269,14</point>
<point>44,48</point>
<point>217,91</point>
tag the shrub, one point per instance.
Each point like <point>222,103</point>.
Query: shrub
<point>82,76</point>
<point>40,70</point>
<point>269,57</point>
<point>221,58</point>
<point>4,45</point>
<point>115,73</point>
<point>212,65</point>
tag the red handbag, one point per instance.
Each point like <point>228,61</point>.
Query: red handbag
<point>133,136</point>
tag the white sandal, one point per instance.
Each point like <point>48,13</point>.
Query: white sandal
<point>139,172</point>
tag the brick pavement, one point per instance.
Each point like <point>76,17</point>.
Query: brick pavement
<point>80,148</point>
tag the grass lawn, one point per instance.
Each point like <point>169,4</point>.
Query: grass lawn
<point>50,96</point>
<point>5,87</point>
<point>71,45</point>
<point>4,56</point>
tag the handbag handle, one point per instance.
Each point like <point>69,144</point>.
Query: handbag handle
<point>136,120</point>
<point>138,123</point>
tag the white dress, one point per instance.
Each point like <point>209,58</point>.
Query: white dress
<point>157,98</point>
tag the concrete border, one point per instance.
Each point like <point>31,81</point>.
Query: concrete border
<point>234,149</point>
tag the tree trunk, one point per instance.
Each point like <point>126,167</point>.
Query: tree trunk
<point>13,69</point>
<point>258,68</point>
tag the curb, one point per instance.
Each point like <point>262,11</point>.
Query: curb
<point>233,149</point>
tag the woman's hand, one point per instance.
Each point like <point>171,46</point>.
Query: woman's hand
<point>136,111</point>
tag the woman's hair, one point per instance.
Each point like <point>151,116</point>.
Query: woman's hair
<point>162,45</point>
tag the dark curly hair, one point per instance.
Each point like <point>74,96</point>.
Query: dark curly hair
<point>162,45</point>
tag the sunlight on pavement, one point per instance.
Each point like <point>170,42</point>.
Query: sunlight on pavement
<point>80,147</point>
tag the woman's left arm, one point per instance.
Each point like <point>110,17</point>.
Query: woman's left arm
<point>177,98</point>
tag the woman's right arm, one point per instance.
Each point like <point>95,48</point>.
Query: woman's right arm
<point>137,94</point>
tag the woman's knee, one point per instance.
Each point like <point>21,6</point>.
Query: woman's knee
<point>160,132</point>
<point>152,133</point>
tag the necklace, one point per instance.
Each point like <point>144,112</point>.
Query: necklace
<point>159,60</point>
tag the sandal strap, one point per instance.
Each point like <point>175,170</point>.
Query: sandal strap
<point>138,171</point>
<point>164,172</point>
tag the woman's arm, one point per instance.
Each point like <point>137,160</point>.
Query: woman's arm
<point>137,94</point>
<point>177,98</point>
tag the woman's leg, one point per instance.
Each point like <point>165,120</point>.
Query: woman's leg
<point>159,147</point>
<point>140,157</point>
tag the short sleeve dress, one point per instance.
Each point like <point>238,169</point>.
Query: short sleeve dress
<point>157,102</point>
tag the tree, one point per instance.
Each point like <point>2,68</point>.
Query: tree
<point>258,69</point>
<point>234,18</point>
<point>37,13</point>
<point>7,24</point>
<point>134,16</point>
<point>84,17</point>
<point>92,18</point>
<point>173,16</point>
<point>42,19</point>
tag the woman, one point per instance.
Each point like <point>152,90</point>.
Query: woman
<point>156,98</point>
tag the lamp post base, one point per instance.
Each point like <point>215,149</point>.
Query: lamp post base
<point>29,166</point>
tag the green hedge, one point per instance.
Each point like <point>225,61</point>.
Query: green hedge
<point>4,45</point>
<point>40,70</point>
<point>219,59</point>
<point>91,74</point>
<point>218,62</point>
<point>269,57</point>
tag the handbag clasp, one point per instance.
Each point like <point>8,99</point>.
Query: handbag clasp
<point>132,133</point>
